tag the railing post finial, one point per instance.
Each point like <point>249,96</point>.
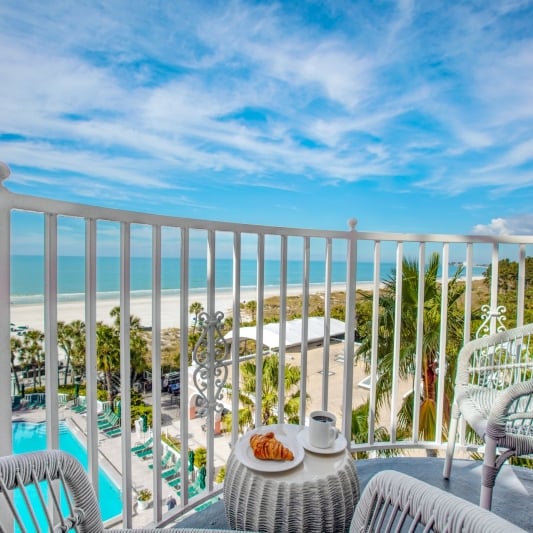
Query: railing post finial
<point>352,222</point>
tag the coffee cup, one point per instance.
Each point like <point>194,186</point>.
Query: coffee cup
<point>322,430</point>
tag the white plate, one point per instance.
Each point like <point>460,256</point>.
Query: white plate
<point>244,452</point>
<point>338,445</point>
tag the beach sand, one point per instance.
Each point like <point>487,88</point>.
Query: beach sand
<point>32,315</point>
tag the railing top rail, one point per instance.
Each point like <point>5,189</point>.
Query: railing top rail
<point>45,205</point>
<point>444,238</point>
<point>17,201</point>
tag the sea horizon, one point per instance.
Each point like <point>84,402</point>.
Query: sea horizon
<point>27,276</point>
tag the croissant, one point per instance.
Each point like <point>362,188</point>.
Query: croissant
<point>268,447</point>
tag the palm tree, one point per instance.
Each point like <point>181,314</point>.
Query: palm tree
<point>107,354</point>
<point>430,342</point>
<point>138,343</point>
<point>108,349</point>
<point>250,306</point>
<point>71,339</point>
<point>32,353</point>
<point>196,308</point>
<point>270,392</point>
<point>16,347</point>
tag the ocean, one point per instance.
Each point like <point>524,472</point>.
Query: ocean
<point>27,275</point>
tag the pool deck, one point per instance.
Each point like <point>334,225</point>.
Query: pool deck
<point>142,475</point>
<point>512,494</point>
<point>111,452</point>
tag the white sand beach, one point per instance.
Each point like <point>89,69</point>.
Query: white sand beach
<point>32,315</point>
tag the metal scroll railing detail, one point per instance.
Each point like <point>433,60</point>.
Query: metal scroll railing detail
<point>493,320</point>
<point>209,354</point>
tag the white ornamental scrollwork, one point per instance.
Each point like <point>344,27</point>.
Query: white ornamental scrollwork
<point>208,355</point>
<point>487,315</point>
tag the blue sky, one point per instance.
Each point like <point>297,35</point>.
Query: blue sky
<point>410,116</point>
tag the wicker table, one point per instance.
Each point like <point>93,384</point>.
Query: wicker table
<point>319,494</point>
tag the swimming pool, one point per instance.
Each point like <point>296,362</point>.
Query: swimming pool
<point>30,437</point>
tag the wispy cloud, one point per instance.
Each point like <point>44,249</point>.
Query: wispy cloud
<point>100,97</point>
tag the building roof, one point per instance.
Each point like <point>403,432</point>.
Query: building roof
<point>293,336</point>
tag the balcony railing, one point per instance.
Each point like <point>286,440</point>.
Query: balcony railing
<point>318,255</point>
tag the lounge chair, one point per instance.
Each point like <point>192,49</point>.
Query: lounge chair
<point>165,460</point>
<point>494,394</point>
<point>143,446</point>
<point>193,491</point>
<point>80,406</point>
<point>146,453</point>
<point>114,431</point>
<point>172,472</point>
<point>15,403</point>
<point>59,474</point>
<point>104,416</point>
<point>79,409</point>
<point>393,501</point>
<point>111,421</point>
<point>175,482</point>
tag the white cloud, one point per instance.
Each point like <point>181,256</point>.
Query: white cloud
<point>514,225</point>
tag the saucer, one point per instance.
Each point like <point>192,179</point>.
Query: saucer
<point>338,445</point>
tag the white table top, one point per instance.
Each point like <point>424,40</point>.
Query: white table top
<point>314,466</point>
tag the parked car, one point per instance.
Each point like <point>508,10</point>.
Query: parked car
<point>169,379</point>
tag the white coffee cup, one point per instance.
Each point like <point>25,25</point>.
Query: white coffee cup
<point>322,430</point>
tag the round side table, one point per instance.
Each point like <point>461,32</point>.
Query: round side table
<point>318,495</point>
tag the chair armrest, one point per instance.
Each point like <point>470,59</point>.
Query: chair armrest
<point>516,399</point>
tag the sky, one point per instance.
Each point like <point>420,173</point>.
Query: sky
<point>410,116</point>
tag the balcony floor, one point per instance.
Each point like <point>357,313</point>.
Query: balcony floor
<point>512,497</point>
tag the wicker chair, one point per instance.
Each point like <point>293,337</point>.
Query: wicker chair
<point>54,468</point>
<point>395,502</point>
<point>494,394</point>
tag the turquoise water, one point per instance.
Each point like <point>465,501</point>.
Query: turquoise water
<point>28,437</point>
<point>27,275</point>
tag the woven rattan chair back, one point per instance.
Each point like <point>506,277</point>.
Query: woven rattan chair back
<point>395,502</point>
<point>494,394</point>
<point>50,486</point>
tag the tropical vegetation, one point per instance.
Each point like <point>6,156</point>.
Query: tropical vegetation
<point>360,427</point>
<point>431,337</point>
<point>270,392</point>
<point>508,286</point>
<point>195,308</point>
<point>28,352</point>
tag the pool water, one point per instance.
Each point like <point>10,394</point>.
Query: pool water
<point>29,437</point>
